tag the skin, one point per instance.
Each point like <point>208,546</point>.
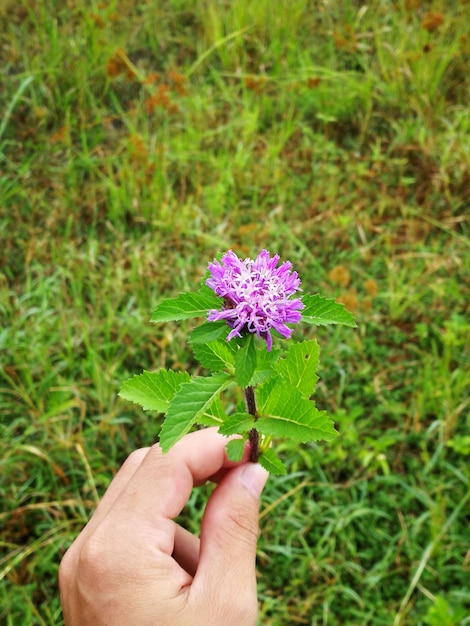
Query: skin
<point>132,564</point>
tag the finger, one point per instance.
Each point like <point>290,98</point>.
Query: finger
<point>115,488</point>
<point>229,534</point>
<point>163,482</point>
<point>186,550</point>
<point>119,482</point>
<point>125,473</point>
<point>69,563</point>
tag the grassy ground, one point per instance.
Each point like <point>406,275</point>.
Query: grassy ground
<point>138,140</point>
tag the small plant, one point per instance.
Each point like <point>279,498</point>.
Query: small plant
<point>441,613</point>
<point>247,304</point>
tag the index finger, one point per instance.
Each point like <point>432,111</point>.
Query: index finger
<point>162,483</point>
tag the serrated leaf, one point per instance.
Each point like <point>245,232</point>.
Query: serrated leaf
<point>214,414</point>
<point>235,449</point>
<point>210,331</point>
<point>216,355</point>
<point>322,311</point>
<point>189,404</point>
<point>265,362</point>
<point>300,365</point>
<point>186,306</point>
<point>245,361</point>
<point>153,390</point>
<point>237,424</point>
<point>272,463</point>
<point>284,412</point>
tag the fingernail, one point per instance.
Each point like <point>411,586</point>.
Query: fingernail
<point>254,477</point>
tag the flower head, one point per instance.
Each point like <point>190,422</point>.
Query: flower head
<point>256,295</point>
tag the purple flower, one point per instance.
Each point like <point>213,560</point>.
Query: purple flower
<point>256,295</point>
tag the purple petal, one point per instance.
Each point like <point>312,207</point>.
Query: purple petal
<point>256,293</point>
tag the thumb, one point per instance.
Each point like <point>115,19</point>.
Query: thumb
<point>229,535</point>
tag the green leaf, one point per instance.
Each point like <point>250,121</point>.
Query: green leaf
<point>245,361</point>
<point>265,362</point>
<point>216,355</point>
<point>235,449</point>
<point>322,311</point>
<point>300,365</point>
<point>272,463</point>
<point>190,403</point>
<point>186,306</point>
<point>237,424</point>
<point>153,390</point>
<point>214,414</point>
<point>284,412</point>
<point>210,331</point>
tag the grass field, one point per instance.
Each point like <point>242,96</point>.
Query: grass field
<point>137,140</point>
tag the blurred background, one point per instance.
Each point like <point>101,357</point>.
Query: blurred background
<point>138,140</point>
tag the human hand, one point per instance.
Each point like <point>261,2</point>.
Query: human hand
<point>132,564</point>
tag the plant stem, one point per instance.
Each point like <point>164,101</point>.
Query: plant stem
<point>250,403</point>
<point>254,445</point>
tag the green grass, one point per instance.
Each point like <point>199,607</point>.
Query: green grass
<point>336,134</point>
